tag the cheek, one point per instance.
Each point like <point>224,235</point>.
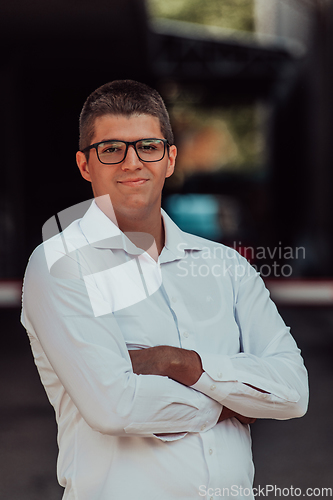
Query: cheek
<point>100,176</point>
<point>101,182</point>
<point>165,172</point>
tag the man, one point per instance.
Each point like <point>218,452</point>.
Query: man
<point>156,348</point>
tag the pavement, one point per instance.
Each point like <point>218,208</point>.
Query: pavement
<point>290,456</point>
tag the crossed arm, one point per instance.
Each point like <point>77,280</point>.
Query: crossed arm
<point>181,365</point>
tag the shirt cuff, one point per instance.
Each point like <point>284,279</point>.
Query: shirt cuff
<point>207,386</point>
<point>218,367</point>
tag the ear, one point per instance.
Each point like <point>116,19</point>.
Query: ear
<point>171,161</point>
<point>82,163</point>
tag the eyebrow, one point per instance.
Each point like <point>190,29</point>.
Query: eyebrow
<point>122,140</point>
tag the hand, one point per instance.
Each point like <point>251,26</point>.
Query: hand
<point>174,362</point>
<point>227,413</point>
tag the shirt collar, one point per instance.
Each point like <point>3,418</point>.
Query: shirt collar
<point>101,232</point>
<point>176,241</point>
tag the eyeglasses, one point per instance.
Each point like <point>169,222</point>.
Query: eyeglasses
<point>113,151</point>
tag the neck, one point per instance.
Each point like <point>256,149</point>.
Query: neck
<point>145,229</point>
<point>146,232</point>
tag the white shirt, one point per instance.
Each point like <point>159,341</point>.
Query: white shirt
<point>89,296</point>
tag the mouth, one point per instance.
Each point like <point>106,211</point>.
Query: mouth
<point>133,182</point>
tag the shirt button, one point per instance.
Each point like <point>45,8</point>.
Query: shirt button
<point>186,335</point>
<point>174,299</point>
<point>213,387</point>
<point>203,427</point>
<point>211,498</point>
<point>210,451</point>
<point>219,375</point>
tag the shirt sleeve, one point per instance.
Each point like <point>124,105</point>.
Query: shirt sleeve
<point>88,358</point>
<point>269,360</point>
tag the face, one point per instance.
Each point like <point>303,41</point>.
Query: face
<point>134,186</point>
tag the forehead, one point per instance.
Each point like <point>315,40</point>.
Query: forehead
<point>126,128</point>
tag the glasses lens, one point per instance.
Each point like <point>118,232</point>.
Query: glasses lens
<point>111,151</point>
<point>150,149</point>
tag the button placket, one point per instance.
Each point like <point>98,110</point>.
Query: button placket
<point>184,320</point>
<point>208,441</point>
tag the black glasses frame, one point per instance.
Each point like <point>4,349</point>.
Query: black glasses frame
<point>127,143</point>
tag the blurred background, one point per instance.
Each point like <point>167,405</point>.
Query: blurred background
<point>248,84</point>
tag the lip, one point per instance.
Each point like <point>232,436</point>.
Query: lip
<point>133,182</point>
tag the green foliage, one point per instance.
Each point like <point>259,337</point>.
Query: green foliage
<point>231,14</point>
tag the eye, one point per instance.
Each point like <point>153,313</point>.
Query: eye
<point>110,147</point>
<point>150,145</point>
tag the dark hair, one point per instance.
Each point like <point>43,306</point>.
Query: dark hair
<point>122,97</point>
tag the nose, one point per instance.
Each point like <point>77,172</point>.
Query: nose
<point>131,161</point>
